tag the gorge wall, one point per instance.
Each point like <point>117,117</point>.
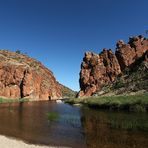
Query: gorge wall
<point>24,77</point>
<point>98,70</point>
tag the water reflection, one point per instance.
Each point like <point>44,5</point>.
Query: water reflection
<point>114,129</point>
<point>64,125</point>
<point>28,121</point>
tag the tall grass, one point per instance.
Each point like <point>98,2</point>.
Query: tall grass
<point>2,100</point>
<point>131,103</point>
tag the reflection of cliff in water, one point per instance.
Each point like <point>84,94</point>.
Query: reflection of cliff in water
<point>114,130</point>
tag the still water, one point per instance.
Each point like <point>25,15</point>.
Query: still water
<point>76,127</point>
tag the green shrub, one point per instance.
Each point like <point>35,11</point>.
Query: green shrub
<point>18,51</point>
<point>119,84</point>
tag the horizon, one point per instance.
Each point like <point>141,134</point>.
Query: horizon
<point>58,33</point>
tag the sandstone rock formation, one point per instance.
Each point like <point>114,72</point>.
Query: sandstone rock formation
<point>24,77</point>
<point>127,54</point>
<point>102,69</point>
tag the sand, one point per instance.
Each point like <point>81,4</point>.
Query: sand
<point>6,142</point>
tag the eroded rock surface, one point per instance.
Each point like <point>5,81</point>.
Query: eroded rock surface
<point>24,77</point>
<point>102,69</point>
<point>127,54</point>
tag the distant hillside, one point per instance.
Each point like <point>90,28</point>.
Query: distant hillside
<point>67,92</point>
<point>120,72</point>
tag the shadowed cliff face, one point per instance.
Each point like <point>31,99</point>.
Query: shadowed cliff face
<point>24,77</point>
<point>102,69</point>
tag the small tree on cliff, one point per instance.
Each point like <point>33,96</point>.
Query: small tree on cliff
<point>18,51</point>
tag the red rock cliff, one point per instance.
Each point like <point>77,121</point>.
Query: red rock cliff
<point>101,69</point>
<point>127,54</point>
<point>24,77</point>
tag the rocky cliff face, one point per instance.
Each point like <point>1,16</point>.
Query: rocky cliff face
<point>128,54</point>
<point>24,77</point>
<point>98,70</point>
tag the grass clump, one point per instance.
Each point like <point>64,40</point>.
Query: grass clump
<point>52,116</point>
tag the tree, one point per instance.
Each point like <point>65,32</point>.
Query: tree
<point>18,51</point>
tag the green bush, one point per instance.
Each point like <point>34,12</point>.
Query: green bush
<point>119,84</point>
<point>18,51</point>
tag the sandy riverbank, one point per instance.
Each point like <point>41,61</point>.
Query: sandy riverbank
<point>13,143</point>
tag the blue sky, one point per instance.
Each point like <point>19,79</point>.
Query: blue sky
<point>58,32</point>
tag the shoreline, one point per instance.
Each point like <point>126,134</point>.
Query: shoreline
<point>7,142</point>
<point>132,103</point>
<point>22,100</point>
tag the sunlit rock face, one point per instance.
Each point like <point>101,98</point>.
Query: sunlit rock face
<point>101,69</point>
<point>127,54</point>
<point>24,77</point>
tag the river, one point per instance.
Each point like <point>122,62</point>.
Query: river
<point>59,124</point>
